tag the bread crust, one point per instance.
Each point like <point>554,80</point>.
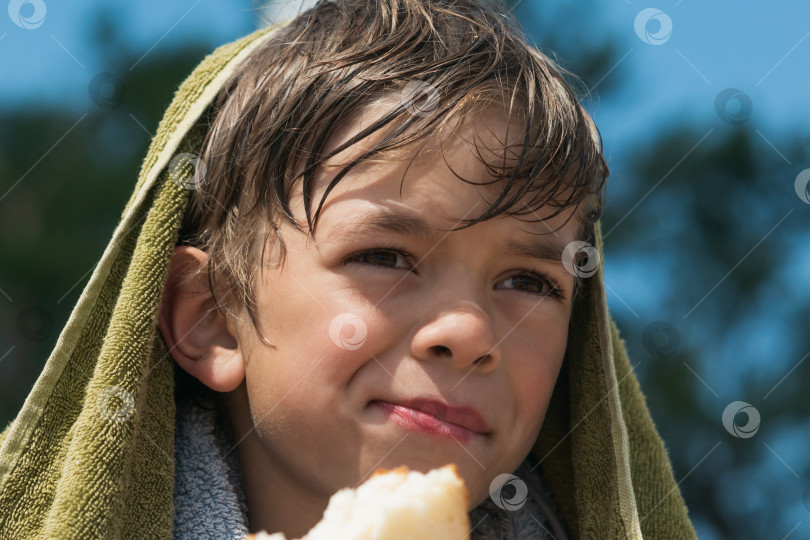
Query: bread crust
<point>442,491</point>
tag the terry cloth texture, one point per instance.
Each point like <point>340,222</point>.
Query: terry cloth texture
<point>521,515</point>
<point>91,452</point>
<point>209,501</point>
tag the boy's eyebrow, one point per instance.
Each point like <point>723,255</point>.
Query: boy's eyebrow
<point>549,249</point>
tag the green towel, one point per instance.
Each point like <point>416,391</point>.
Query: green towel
<point>90,455</point>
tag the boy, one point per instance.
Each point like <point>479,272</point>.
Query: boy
<point>379,264</point>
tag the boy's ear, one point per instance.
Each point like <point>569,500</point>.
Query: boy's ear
<point>200,338</point>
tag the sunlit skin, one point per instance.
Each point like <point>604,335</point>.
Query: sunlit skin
<point>451,318</point>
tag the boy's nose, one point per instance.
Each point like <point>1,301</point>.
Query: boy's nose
<point>463,335</point>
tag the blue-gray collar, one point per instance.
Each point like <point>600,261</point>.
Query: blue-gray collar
<point>209,501</point>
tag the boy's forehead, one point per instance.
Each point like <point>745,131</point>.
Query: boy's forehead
<point>457,150</point>
<point>485,131</point>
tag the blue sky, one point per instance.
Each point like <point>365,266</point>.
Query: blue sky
<point>760,48</point>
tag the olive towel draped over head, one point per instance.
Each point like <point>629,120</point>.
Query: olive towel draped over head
<point>91,452</point>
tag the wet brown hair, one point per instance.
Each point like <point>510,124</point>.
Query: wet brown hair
<point>445,59</point>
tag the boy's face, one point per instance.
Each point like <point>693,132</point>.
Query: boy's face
<point>358,335</point>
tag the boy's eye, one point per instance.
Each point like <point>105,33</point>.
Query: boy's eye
<point>530,282</point>
<point>538,284</point>
<point>380,257</point>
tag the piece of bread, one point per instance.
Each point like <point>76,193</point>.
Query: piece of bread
<point>395,505</point>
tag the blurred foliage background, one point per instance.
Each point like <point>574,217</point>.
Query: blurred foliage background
<point>706,251</point>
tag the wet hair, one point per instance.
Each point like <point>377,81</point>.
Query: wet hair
<point>440,61</point>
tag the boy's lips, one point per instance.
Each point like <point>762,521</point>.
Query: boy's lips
<point>464,416</point>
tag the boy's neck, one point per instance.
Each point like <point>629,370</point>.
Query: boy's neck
<point>276,501</point>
